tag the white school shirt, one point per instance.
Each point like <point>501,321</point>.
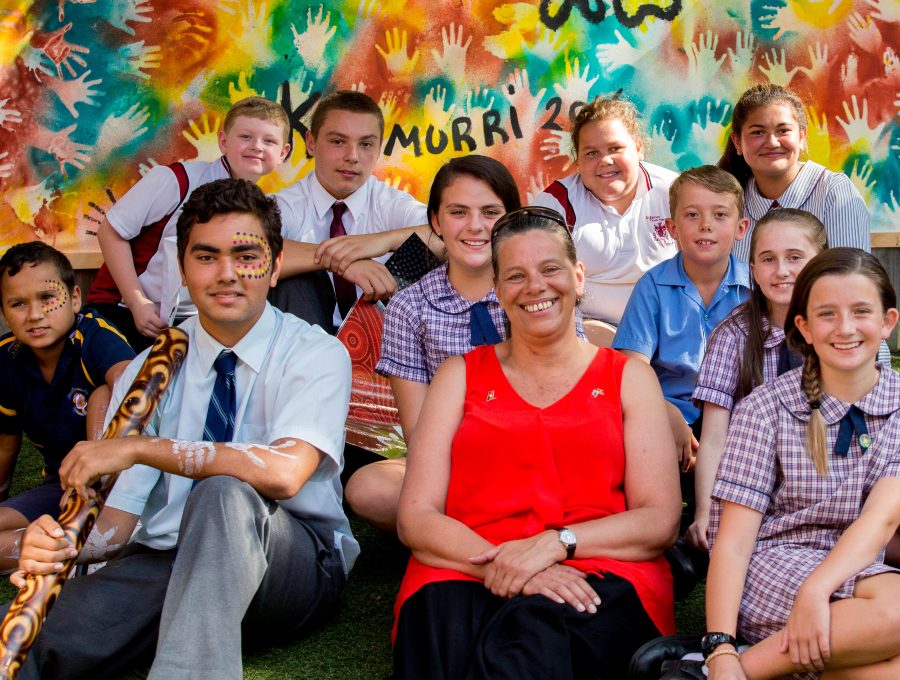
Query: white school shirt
<point>154,196</point>
<point>306,212</point>
<point>616,249</point>
<point>292,382</point>
<point>828,195</point>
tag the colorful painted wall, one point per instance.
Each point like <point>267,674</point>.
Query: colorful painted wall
<point>93,92</point>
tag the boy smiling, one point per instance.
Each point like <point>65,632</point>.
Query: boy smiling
<point>239,470</point>
<point>676,305</point>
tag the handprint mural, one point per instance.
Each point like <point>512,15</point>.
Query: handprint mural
<point>92,92</point>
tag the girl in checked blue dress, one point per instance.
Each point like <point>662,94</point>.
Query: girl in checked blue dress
<point>808,494</point>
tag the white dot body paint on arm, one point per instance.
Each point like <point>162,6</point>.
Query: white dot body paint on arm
<point>247,450</point>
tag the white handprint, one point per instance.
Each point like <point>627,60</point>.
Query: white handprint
<point>117,131</point>
<point>8,117</point>
<point>741,57</point>
<point>864,32</point>
<point>784,19</point>
<point>708,134</point>
<point>133,58</point>
<point>146,166</point>
<point>856,125</point>
<point>311,44</point>
<point>577,86</point>
<point>850,72</point>
<point>661,144</point>
<point>123,11</point>
<point>6,168</point>
<point>78,91</point>
<point>27,202</point>
<point>558,144</point>
<point>887,11</point>
<point>453,59</point>
<point>548,44</point>
<point>536,185</point>
<point>433,107</point>
<point>518,94</point>
<point>818,62</point>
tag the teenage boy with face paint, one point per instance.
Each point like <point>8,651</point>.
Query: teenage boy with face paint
<point>263,546</point>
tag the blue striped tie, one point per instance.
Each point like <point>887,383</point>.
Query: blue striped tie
<point>219,425</point>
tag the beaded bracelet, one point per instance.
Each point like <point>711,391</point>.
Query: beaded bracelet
<point>722,652</point>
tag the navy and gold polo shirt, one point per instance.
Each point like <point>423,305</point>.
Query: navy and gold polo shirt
<point>53,414</point>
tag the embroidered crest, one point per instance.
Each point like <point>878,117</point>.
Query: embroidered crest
<point>660,233</point>
<point>79,401</point>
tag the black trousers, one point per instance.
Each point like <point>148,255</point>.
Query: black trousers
<point>459,630</point>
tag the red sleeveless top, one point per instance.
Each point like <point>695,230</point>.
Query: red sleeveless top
<point>518,470</point>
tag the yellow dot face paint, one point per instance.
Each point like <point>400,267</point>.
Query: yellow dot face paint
<point>253,270</point>
<point>59,299</point>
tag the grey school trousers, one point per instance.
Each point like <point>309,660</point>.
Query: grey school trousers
<point>243,562</point>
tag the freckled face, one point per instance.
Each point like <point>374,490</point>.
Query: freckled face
<point>38,307</point>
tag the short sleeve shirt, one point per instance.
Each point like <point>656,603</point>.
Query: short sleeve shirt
<point>616,249</point>
<point>427,322</point>
<point>667,321</point>
<point>307,211</point>
<point>292,382</point>
<point>719,375</point>
<point>828,195</point>
<point>52,415</point>
<point>156,195</point>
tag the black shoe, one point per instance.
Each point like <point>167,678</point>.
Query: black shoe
<point>647,662</point>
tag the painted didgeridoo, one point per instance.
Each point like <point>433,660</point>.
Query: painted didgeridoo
<point>26,615</point>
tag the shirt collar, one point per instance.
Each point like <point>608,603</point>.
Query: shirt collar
<point>442,296</point>
<point>794,196</point>
<point>323,201</point>
<point>251,349</point>
<point>882,400</point>
<point>671,272</point>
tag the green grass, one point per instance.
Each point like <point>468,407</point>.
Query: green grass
<point>355,644</point>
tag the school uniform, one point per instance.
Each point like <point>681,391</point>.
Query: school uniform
<point>53,414</point>
<point>134,217</point>
<point>719,374</point>
<point>274,566</point>
<point>766,467</point>
<point>616,249</point>
<point>307,213</point>
<point>828,195</point>
<point>667,321</point>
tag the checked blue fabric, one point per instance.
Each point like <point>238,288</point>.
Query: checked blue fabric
<point>220,415</point>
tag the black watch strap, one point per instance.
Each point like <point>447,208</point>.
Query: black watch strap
<point>710,641</point>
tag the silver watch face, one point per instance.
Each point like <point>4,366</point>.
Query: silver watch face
<point>567,536</point>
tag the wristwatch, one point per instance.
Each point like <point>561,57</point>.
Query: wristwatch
<point>567,538</point>
<point>710,641</point>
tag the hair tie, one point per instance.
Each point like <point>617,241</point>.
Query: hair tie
<point>815,404</point>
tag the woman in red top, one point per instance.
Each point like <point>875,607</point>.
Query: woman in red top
<point>540,493</point>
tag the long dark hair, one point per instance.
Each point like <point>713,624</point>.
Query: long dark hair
<point>748,315</point>
<point>832,262</point>
<point>752,99</point>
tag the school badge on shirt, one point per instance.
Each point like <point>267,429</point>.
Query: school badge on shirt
<point>79,401</point>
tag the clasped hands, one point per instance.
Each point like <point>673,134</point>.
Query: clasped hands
<point>532,566</point>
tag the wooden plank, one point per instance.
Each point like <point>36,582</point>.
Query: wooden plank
<point>886,239</point>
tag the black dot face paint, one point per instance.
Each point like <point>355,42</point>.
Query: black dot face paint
<point>253,270</point>
<point>59,299</point>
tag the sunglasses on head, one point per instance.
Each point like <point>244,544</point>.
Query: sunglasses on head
<point>529,211</point>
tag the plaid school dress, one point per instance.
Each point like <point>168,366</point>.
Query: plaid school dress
<point>765,467</point>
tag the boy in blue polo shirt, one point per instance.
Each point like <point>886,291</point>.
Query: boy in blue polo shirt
<point>57,368</point>
<point>676,305</point>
